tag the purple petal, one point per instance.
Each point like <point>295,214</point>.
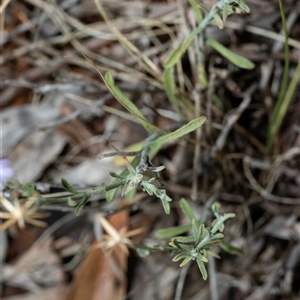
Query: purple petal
<point>6,172</point>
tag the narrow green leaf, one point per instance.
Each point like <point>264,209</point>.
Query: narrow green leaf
<point>213,243</point>
<point>236,59</point>
<point>176,54</point>
<point>196,230</point>
<point>165,199</point>
<point>81,205</point>
<point>178,230</point>
<point>179,257</point>
<point>111,194</point>
<point>216,208</point>
<point>227,11</point>
<point>196,10</point>
<point>68,187</point>
<point>202,257</point>
<point>186,209</point>
<point>131,170</point>
<point>202,75</point>
<point>127,103</point>
<point>185,261</point>
<point>115,175</point>
<point>219,21</point>
<point>221,228</point>
<point>230,248</point>
<point>175,244</point>
<point>185,239</point>
<point>219,225</point>
<point>71,202</point>
<point>202,268</point>
<point>242,5</point>
<point>214,254</point>
<point>173,231</point>
<point>148,187</point>
<point>228,216</point>
<point>204,240</point>
<point>202,231</point>
<point>130,195</point>
<point>217,236</point>
<point>142,251</point>
<point>170,87</point>
<point>153,151</point>
<point>189,127</point>
<point>283,100</point>
<point>172,244</point>
<point>165,202</point>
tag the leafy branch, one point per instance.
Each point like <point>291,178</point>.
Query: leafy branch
<point>219,12</point>
<point>197,245</point>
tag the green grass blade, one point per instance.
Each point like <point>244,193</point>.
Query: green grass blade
<point>189,127</point>
<point>236,59</point>
<point>278,113</point>
<point>127,103</point>
<point>276,121</point>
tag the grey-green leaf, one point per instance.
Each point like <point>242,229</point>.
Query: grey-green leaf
<point>170,87</point>
<point>81,205</point>
<point>127,103</point>
<point>165,202</point>
<point>202,268</point>
<point>196,10</point>
<point>186,208</point>
<point>189,127</point>
<point>176,54</point>
<point>185,239</point>
<point>142,251</point>
<point>68,187</point>
<point>239,61</point>
<point>71,202</point>
<point>173,231</point>
<point>111,194</point>
<point>231,249</point>
<point>243,6</point>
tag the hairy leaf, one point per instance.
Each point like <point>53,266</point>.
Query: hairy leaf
<point>189,127</point>
<point>186,208</point>
<point>236,59</point>
<point>170,86</point>
<point>68,187</point>
<point>127,103</point>
<point>173,231</point>
<point>202,268</point>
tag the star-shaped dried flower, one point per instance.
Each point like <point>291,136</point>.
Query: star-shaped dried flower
<point>19,212</point>
<point>115,238</point>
